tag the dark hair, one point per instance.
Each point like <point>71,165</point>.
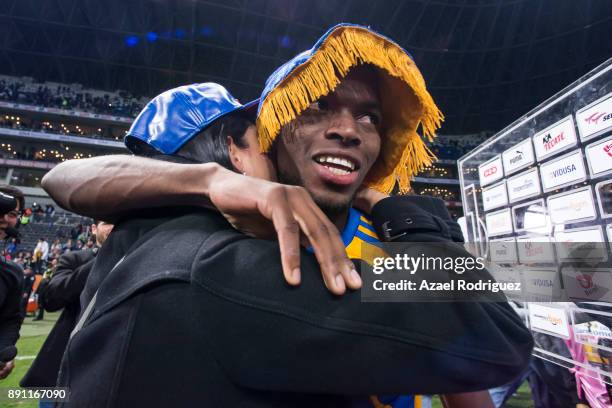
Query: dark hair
<point>16,193</point>
<point>210,145</point>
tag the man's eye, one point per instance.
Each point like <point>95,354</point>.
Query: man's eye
<point>372,118</point>
<point>321,104</point>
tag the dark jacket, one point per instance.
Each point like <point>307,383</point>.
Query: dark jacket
<point>11,290</point>
<point>414,219</point>
<point>62,291</point>
<point>189,311</point>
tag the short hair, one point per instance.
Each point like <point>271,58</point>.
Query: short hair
<point>208,146</point>
<point>14,192</point>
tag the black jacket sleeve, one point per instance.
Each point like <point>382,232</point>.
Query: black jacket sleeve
<point>11,288</point>
<point>68,281</point>
<point>269,336</point>
<point>414,219</point>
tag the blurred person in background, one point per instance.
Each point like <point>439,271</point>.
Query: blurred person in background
<point>62,291</point>
<point>29,278</point>
<point>40,290</point>
<point>41,252</point>
<point>12,247</point>
<point>11,288</point>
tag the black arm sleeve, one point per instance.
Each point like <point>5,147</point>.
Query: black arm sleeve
<point>414,219</point>
<point>11,287</point>
<point>67,283</point>
<point>269,336</point>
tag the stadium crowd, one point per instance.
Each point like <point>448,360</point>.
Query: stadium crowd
<point>56,127</point>
<point>43,259</point>
<point>68,97</point>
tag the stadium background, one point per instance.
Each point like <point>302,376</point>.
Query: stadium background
<point>74,73</point>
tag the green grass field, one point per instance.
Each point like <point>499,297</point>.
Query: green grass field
<point>33,335</point>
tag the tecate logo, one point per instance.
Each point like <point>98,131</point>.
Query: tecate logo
<point>518,157</point>
<point>490,171</point>
<point>608,149</point>
<point>570,168</point>
<point>549,141</point>
<point>594,118</point>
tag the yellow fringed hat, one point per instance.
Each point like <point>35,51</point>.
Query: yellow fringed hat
<point>406,104</point>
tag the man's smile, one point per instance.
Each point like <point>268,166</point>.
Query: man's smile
<point>337,168</point>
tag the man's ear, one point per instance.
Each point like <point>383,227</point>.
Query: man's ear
<point>234,154</point>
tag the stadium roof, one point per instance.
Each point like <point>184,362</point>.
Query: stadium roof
<point>486,61</point>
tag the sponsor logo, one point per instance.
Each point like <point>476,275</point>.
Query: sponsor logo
<point>493,197</point>
<point>594,118</point>
<point>517,158</point>
<point>498,222</point>
<point>585,281</point>
<point>526,184</point>
<point>501,251</point>
<point>549,141</point>
<point>570,168</point>
<point>576,205</point>
<point>554,320</point>
<point>608,149</point>
<point>533,250</point>
<point>490,171</point>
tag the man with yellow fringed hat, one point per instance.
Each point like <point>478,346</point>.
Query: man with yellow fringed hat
<point>227,329</point>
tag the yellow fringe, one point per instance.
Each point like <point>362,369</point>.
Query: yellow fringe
<point>403,152</point>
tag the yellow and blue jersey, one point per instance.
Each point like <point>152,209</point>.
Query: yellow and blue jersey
<point>357,232</point>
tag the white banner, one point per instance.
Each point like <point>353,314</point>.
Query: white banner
<point>586,284</point>
<point>549,319</point>
<point>595,119</point>
<point>565,170</point>
<point>499,222</point>
<point>490,171</point>
<point>599,157</point>
<point>494,196</point>
<point>555,138</point>
<point>524,185</point>
<point>532,217</point>
<point>535,249</point>
<point>518,157</point>
<point>583,243</point>
<point>569,207</point>
<point>503,251</point>
<point>507,275</point>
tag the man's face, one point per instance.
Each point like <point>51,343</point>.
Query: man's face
<point>101,231</point>
<point>9,220</point>
<point>331,146</point>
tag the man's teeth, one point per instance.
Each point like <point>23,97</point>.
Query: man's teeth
<point>339,161</point>
<point>337,171</point>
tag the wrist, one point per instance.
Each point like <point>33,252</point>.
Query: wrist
<point>200,183</point>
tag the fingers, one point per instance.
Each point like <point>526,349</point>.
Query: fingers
<point>6,370</point>
<point>336,268</point>
<point>288,232</point>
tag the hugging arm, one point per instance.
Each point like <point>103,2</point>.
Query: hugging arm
<point>107,186</point>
